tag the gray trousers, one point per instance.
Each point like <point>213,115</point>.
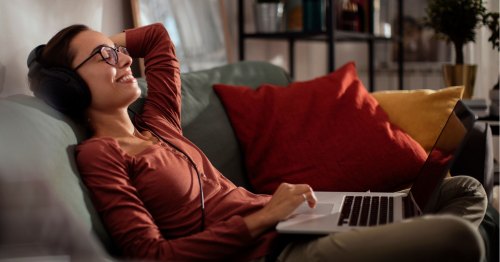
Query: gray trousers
<point>450,234</point>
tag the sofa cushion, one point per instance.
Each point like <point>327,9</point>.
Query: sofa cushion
<point>420,113</point>
<point>328,132</point>
<point>38,149</point>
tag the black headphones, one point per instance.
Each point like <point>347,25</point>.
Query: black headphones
<point>60,87</point>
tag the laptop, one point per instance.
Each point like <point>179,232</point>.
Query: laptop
<point>343,211</point>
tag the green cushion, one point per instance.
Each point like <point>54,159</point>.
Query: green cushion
<point>37,145</point>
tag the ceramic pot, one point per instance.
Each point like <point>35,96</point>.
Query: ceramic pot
<point>457,75</point>
<point>268,17</point>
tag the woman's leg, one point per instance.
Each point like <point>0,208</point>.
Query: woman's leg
<point>450,235</point>
<point>462,196</point>
<point>427,238</point>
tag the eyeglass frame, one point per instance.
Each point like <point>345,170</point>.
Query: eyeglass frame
<point>98,50</point>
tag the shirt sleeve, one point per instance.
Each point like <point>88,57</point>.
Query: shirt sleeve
<point>104,172</point>
<point>162,71</point>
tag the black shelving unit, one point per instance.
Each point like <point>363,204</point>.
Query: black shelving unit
<point>331,35</point>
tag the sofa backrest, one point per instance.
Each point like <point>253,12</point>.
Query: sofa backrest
<point>204,120</point>
<point>37,143</point>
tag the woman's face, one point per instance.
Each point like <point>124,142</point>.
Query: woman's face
<point>111,87</point>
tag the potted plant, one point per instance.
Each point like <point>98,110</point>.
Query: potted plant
<point>492,21</point>
<point>268,16</point>
<point>457,21</point>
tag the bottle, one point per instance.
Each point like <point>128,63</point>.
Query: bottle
<point>349,16</point>
<point>313,15</point>
<point>293,10</point>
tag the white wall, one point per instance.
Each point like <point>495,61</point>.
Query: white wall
<point>24,24</point>
<point>116,16</point>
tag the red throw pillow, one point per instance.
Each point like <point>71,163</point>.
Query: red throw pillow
<point>328,132</point>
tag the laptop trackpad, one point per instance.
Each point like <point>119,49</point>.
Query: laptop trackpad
<point>321,208</point>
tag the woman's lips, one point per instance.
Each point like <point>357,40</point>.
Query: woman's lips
<point>128,78</point>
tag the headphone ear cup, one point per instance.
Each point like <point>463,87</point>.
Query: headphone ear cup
<point>63,89</point>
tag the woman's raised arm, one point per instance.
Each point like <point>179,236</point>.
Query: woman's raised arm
<point>119,39</point>
<point>162,71</point>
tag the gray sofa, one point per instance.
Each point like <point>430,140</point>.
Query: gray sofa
<point>45,211</point>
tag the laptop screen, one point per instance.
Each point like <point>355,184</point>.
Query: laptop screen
<point>439,161</point>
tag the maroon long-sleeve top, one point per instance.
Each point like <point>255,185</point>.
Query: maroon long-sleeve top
<point>150,202</point>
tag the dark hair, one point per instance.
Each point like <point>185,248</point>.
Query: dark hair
<point>57,52</point>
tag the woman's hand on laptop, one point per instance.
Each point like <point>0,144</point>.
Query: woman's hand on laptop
<point>283,202</point>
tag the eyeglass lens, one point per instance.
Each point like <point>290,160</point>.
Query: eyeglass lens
<point>110,54</point>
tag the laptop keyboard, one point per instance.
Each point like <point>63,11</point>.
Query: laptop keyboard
<point>366,211</point>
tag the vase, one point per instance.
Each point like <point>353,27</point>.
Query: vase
<point>460,75</point>
<point>268,17</point>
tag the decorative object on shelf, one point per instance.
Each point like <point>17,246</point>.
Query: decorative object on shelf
<point>313,16</point>
<point>376,19</point>
<point>379,18</point>
<point>294,15</point>
<point>349,16</point>
<point>456,21</point>
<point>353,15</point>
<point>268,16</point>
<point>419,44</point>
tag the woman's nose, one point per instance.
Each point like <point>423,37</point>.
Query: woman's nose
<point>124,60</point>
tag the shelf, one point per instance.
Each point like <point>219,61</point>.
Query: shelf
<point>331,36</point>
<point>318,36</point>
<point>355,36</point>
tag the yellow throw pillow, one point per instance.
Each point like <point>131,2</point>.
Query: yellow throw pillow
<point>420,113</point>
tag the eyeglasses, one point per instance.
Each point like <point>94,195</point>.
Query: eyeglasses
<point>108,54</point>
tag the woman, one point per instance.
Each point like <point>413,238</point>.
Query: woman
<point>161,199</point>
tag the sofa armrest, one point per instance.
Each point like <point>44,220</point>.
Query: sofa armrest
<point>476,157</point>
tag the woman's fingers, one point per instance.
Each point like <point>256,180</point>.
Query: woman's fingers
<point>310,198</point>
<point>301,192</point>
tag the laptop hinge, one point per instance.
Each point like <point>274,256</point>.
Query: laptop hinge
<point>411,208</point>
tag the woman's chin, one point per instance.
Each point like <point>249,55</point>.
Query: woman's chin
<point>136,94</point>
